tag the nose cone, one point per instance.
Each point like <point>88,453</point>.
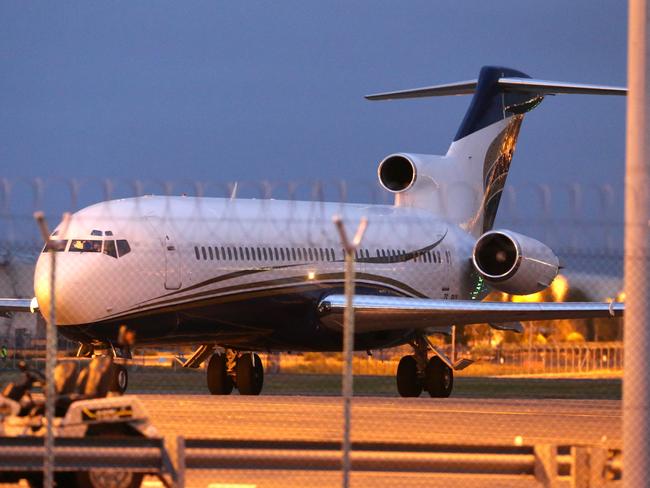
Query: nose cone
<point>69,300</point>
<point>42,284</point>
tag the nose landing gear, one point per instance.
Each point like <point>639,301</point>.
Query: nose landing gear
<point>416,373</point>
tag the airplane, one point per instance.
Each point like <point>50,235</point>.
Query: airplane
<point>235,276</point>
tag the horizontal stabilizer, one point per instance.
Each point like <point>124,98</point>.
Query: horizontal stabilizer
<point>509,84</point>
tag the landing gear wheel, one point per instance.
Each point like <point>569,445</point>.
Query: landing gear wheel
<point>219,383</point>
<point>250,374</point>
<point>408,382</point>
<point>120,379</point>
<point>438,378</point>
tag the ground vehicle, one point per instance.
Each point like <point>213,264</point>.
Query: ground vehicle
<point>84,407</point>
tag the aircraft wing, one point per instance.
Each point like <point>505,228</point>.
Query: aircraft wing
<point>8,305</point>
<point>375,313</point>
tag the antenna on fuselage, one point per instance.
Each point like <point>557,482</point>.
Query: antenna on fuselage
<point>233,191</point>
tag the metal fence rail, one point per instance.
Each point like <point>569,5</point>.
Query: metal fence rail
<point>584,466</point>
<point>134,454</point>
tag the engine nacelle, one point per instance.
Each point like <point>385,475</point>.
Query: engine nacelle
<point>513,263</point>
<point>397,172</point>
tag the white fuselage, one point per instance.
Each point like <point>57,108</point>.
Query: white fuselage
<point>189,252</point>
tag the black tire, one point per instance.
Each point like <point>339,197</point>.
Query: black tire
<point>103,479</point>
<point>438,378</point>
<point>219,383</point>
<point>99,478</point>
<point>120,380</point>
<point>408,382</point>
<point>250,374</point>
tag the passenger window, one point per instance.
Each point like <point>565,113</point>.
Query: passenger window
<point>85,245</point>
<point>277,256</point>
<point>322,256</point>
<point>293,253</point>
<point>229,254</point>
<point>123,247</point>
<point>439,259</point>
<point>282,254</point>
<point>109,248</point>
<point>259,254</point>
<point>205,255</point>
<point>234,253</point>
<point>264,254</point>
<point>210,253</point>
<point>311,256</point>
<point>216,253</point>
<point>248,256</point>
<point>252,250</point>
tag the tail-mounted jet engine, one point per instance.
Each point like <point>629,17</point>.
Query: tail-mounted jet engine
<point>513,263</point>
<point>397,172</point>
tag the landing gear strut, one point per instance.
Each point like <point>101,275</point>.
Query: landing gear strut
<point>233,369</point>
<point>416,373</point>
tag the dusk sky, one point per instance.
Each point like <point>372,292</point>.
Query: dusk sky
<point>225,91</point>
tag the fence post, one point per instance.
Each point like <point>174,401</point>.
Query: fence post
<point>636,381</point>
<point>546,465</point>
<point>180,461</point>
<point>50,360</point>
<point>348,335</point>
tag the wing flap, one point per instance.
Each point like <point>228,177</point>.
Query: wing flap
<point>376,313</point>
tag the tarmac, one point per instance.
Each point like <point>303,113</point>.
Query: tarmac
<point>418,420</point>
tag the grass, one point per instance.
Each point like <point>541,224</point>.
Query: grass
<point>165,380</point>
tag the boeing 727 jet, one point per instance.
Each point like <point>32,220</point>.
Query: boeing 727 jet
<point>235,276</point>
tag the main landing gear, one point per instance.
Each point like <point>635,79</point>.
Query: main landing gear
<point>232,369</point>
<point>416,373</point>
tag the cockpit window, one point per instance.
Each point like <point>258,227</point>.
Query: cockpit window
<point>96,232</point>
<point>108,232</point>
<point>85,245</point>
<point>123,247</point>
<point>109,248</point>
<point>57,245</point>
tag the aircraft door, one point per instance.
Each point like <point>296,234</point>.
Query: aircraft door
<point>172,264</point>
<point>172,255</point>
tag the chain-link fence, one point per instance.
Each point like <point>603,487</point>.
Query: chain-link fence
<point>212,323</point>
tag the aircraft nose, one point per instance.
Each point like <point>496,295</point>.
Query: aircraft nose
<point>64,284</point>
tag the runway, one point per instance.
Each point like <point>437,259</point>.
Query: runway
<point>423,420</point>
